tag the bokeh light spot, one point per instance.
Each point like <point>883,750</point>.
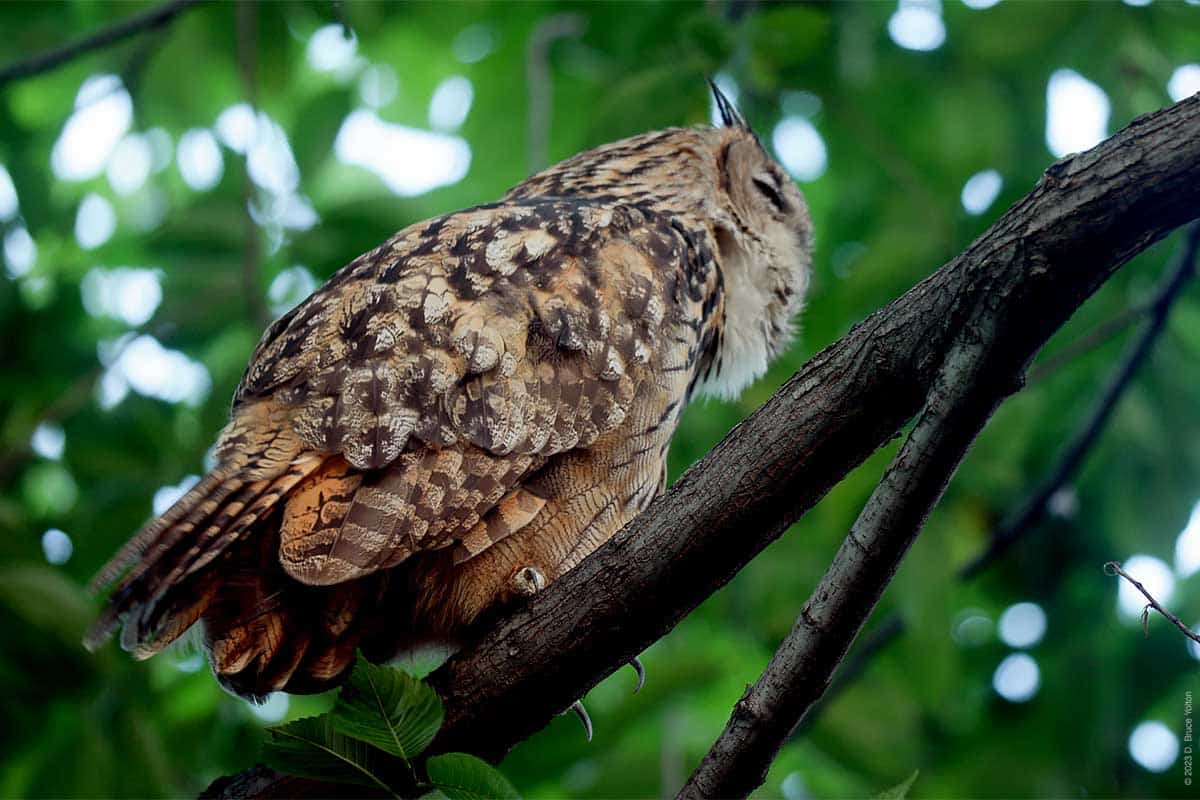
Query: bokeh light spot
<point>1184,82</point>
<point>103,113</point>
<point>378,86</point>
<point>918,25</point>
<point>1077,112</point>
<point>1022,625</point>
<point>800,148</point>
<point>1017,678</point>
<point>450,104</point>
<point>409,161</point>
<point>20,252</point>
<point>129,294</point>
<point>236,126</point>
<point>274,708</point>
<point>330,50</point>
<point>269,158</point>
<point>981,190</point>
<point>1153,746</point>
<point>199,159</point>
<point>1187,546</point>
<point>57,546</point>
<point>131,163</point>
<point>48,441</point>
<point>145,366</point>
<point>288,288</point>
<point>473,43</point>
<point>972,627</point>
<point>95,222</point>
<point>8,196</point>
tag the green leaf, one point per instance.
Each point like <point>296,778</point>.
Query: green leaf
<point>389,709</point>
<point>900,790</point>
<point>313,748</point>
<point>460,776</point>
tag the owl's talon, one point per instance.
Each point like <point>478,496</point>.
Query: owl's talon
<point>528,581</point>
<point>636,663</point>
<point>581,712</point>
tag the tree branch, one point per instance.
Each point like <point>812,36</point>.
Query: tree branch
<point>976,375</point>
<point>44,62</point>
<point>1087,216</point>
<point>1113,568</point>
<point>1033,509</point>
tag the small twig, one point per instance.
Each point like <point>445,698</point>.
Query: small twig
<point>44,62</point>
<point>537,77</point>
<point>1114,569</point>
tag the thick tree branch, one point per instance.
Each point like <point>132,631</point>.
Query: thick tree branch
<point>1032,509</point>
<point>44,62</point>
<point>1087,216</point>
<point>977,374</point>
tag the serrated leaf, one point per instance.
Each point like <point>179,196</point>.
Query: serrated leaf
<point>461,776</point>
<point>313,748</point>
<point>389,709</point>
<point>900,790</point>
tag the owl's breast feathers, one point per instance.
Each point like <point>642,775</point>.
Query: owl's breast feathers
<point>403,407</point>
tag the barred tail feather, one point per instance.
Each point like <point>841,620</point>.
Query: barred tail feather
<point>165,592</point>
<point>219,483</point>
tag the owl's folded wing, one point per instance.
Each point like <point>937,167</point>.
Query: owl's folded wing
<point>520,328</point>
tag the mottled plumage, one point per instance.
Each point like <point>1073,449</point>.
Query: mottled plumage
<point>470,409</point>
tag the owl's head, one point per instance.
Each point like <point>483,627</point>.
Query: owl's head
<point>719,182</point>
<point>764,236</point>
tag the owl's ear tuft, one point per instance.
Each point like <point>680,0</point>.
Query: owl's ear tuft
<point>729,115</point>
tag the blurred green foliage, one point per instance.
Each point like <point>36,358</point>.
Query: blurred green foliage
<point>903,130</point>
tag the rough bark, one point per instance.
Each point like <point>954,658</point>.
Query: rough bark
<point>1088,215</point>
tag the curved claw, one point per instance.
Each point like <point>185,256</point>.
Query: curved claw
<point>581,712</point>
<point>636,663</point>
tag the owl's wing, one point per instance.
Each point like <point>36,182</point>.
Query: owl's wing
<point>448,364</point>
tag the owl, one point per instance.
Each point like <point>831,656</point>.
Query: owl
<point>463,414</point>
